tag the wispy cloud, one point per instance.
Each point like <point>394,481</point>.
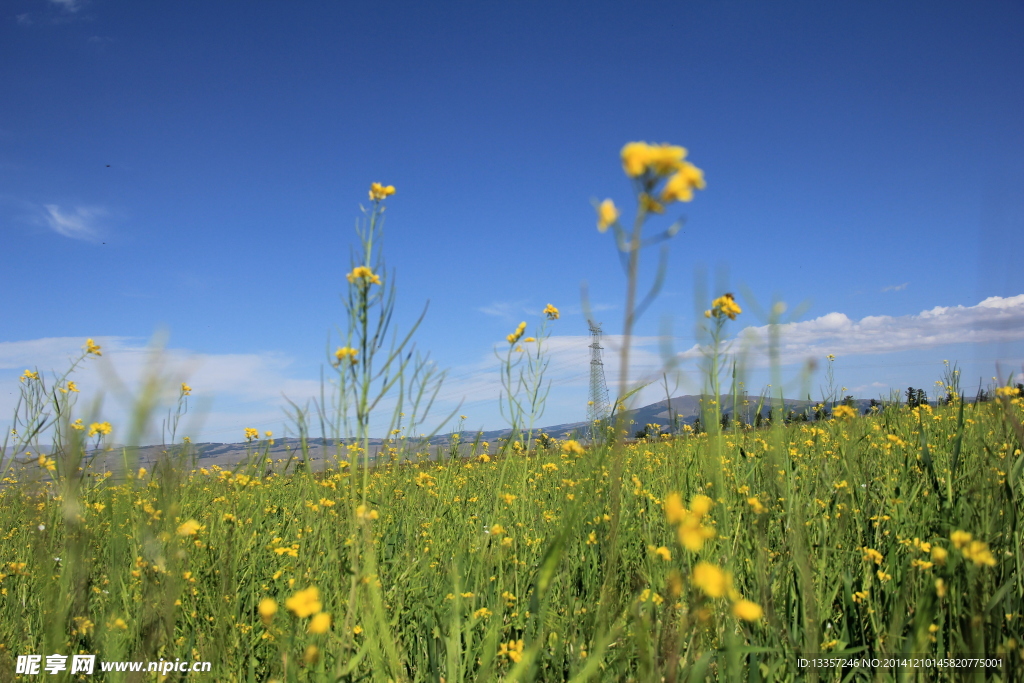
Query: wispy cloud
<point>24,19</point>
<point>68,5</point>
<point>895,288</point>
<point>79,224</point>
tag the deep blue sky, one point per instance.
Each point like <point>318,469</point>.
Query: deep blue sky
<point>867,158</point>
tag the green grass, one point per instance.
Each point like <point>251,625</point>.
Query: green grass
<point>570,572</point>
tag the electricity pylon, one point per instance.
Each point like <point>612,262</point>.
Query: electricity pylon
<point>597,408</point>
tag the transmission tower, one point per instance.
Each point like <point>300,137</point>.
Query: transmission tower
<point>598,408</point>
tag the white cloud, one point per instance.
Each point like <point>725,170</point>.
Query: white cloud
<point>895,288</point>
<point>992,321</point>
<point>79,224</point>
<point>68,5</point>
<point>241,387</point>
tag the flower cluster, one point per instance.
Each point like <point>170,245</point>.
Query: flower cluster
<point>518,334</point>
<point>716,583</point>
<point>724,305</point>
<point>379,192</point>
<point>551,312</point>
<point>363,273</point>
<point>975,551</point>
<point>692,532</point>
<point>641,160</point>
<point>344,352</point>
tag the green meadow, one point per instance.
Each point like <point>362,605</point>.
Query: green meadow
<point>733,553</point>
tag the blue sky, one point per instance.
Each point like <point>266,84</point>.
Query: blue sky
<point>199,167</point>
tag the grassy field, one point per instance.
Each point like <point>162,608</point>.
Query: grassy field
<point>725,555</point>
<point>849,536</point>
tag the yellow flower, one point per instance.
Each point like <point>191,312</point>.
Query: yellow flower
<point>71,386</point>
<point>674,510</point>
<point>29,374</point>
<point>321,623</point>
<point>725,305</point>
<point>379,192</point>
<point>363,273</point>
<point>572,447</point>
<point>92,347</point>
<point>482,613</point>
<point>344,352</point>
<point>713,581</point>
<point>513,650</point>
<point>304,603</point>
<point>77,425</point>
<point>99,428</point>
<point>844,411</point>
<point>664,553</point>
<point>365,513</point>
<point>185,389</point>
<point>517,335</point>
<point>939,555</point>
<point>679,187</point>
<point>960,539</point>
<point>978,553</point>
<point>861,596</point>
<point>551,312</point>
<point>189,528</point>
<point>639,158</point>
<point>940,588</point>
<point>251,433</point>
<point>311,655</point>
<point>607,214</point>
<point>872,555</point>
<point>756,505</point>
<point>47,463</point>
<point>267,609</point>
<point>747,610</point>
<point>635,157</point>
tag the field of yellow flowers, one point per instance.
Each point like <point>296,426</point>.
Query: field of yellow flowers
<point>736,554</point>
<point>726,556</point>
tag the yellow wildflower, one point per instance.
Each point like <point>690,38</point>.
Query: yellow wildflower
<point>872,555</point>
<point>92,347</point>
<point>551,312</point>
<point>960,539</point>
<point>939,555</point>
<point>189,528</point>
<point>747,610</point>
<point>304,603</point>
<point>607,214</point>
<point>379,192</point>
<point>712,580</point>
<point>267,609</point>
<point>344,352</point>
<point>664,553</point>
<point>363,273</point>
<point>185,389</point>
<point>99,428</point>
<point>364,513</point>
<point>725,305</point>
<point>482,613</point>
<point>572,447</point>
<point>321,623</point>
<point>680,186</point>
<point>517,335</point>
<point>979,553</point>
<point>844,411</point>
<point>513,650</point>
<point>755,503</point>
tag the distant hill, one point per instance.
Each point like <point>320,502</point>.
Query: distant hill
<point>684,410</point>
